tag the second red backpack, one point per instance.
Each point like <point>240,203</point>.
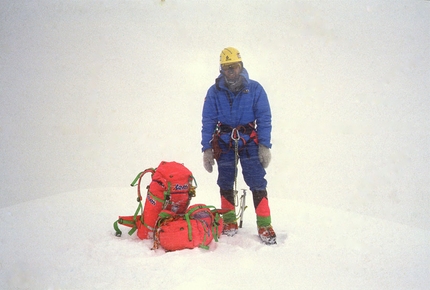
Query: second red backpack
<point>196,228</point>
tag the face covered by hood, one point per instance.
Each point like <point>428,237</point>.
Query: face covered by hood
<point>232,72</point>
<point>234,76</point>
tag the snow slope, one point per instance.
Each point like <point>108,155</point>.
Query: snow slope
<point>93,92</point>
<point>50,243</point>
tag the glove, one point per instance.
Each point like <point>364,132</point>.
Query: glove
<point>208,159</point>
<point>264,155</point>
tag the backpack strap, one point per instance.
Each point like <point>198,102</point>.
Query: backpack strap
<point>132,221</point>
<point>138,179</point>
<point>166,196</point>
<point>215,224</point>
<point>129,222</point>
<point>205,228</point>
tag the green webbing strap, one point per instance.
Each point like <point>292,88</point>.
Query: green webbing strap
<point>134,183</point>
<point>167,193</point>
<point>156,198</point>
<point>133,223</point>
<point>187,219</point>
<point>215,226</point>
<point>136,179</point>
<point>127,222</point>
<point>118,232</point>
<point>124,222</point>
<point>190,231</point>
<point>139,209</point>
<point>130,232</point>
<point>164,214</point>
<point>202,245</point>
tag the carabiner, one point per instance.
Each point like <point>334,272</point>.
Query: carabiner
<point>235,136</point>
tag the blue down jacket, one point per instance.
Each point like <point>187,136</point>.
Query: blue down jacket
<point>249,105</point>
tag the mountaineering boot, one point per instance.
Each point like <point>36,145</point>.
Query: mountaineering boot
<point>267,235</point>
<point>230,229</point>
<point>227,202</point>
<point>264,220</point>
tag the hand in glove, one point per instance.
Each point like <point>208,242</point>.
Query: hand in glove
<point>208,159</point>
<point>264,155</point>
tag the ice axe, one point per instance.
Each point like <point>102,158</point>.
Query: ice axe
<point>235,136</point>
<point>242,207</point>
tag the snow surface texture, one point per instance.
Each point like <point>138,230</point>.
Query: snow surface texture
<point>93,92</point>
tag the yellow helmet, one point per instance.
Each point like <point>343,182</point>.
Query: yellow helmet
<point>229,55</point>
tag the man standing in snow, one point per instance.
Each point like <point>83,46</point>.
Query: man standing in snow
<point>236,111</point>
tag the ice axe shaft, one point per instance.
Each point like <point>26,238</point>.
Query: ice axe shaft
<point>242,207</point>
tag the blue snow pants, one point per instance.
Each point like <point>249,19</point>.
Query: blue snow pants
<point>252,170</point>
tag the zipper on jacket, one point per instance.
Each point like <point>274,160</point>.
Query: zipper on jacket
<point>230,100</point>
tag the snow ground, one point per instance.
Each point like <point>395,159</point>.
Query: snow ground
<point>51,244</point>
<point>93,92</point>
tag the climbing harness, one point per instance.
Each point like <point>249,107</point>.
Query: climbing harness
<point>221,129</point>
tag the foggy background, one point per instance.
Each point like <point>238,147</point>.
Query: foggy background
<point>93,92</point>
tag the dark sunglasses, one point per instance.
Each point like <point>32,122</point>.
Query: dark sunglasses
<point>229,66</point>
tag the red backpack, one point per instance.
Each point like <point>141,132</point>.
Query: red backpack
<point>196,228</point>
<point>171,189</point>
